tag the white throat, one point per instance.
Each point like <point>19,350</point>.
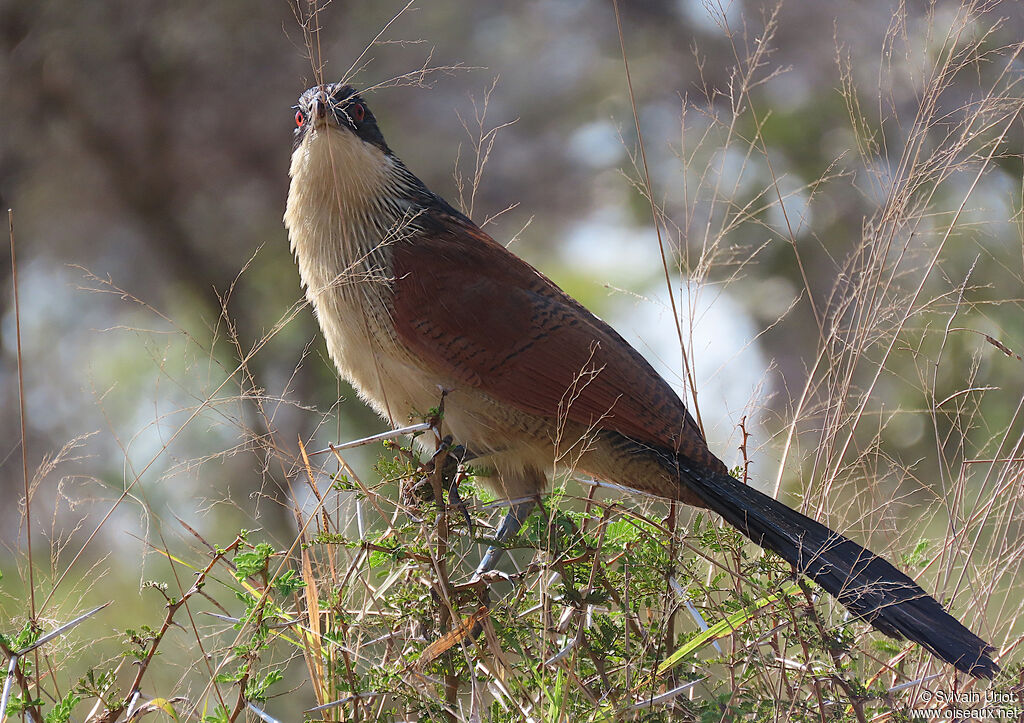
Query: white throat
<point>346,205</point>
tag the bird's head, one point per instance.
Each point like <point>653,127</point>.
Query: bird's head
<point>342,167</point>
<point>339,160</point>
<point>336,108</point>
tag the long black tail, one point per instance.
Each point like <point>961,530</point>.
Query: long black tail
<point>868,586</point>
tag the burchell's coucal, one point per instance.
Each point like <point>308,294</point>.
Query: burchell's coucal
<point>413,298</point>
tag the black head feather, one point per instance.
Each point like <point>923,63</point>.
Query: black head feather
<point>344,107</point>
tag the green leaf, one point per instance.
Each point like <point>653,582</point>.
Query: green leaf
<point>220,714</point>
<point>61,711</point>
<point>252,562</point>
<point>725,627</point>
<point>288,582</point>
<point>257,690</point>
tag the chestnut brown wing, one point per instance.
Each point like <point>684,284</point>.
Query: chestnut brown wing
<point>485,317</point>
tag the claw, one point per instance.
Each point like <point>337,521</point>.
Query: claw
<point>455,500</point>
<point>456,456</point>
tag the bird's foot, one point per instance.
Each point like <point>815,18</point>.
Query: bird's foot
<point>453,459</point>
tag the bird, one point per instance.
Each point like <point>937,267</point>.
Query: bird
<point>415,300</point>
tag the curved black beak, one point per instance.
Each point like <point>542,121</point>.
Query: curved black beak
<point>319,109</point>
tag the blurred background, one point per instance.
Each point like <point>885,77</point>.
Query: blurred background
<point>145,149</point>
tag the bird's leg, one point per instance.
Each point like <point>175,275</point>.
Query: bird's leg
<point>455,458</point>
<point>517,514</point>
<point>450,476</point>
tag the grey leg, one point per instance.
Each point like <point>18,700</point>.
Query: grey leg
<point>517,514</point>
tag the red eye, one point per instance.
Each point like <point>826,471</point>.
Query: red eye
<point>358,112</point>
<point>299,118</point>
